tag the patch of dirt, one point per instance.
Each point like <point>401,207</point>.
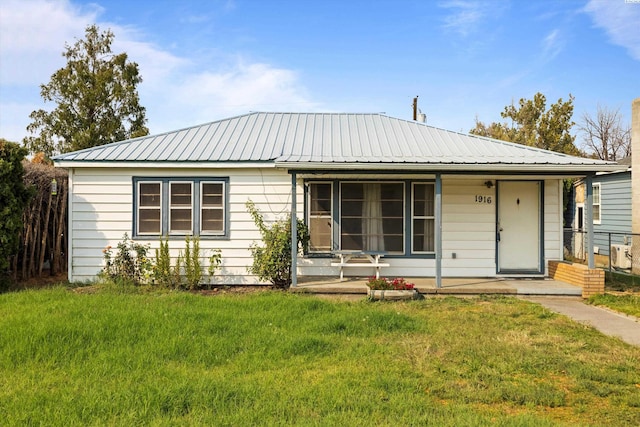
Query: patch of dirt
<point>242,289</point>
<point>45,281</point>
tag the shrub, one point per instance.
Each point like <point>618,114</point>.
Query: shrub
<point>129,265</point>
<point>272,261</point>
<point>188,271</point>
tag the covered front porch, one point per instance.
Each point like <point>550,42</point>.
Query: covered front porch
<point>450,286</point>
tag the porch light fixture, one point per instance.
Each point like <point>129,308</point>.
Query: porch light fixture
<point>489,184</point>
<point>54,187</point>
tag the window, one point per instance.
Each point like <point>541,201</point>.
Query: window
<point>212,208</point>
<point>372,217</point>
<point>423,218</point>
<point>149,208</point>
<point>320,217</point>
<point>180,209</point>
<point>597,214</point>
<point>394,217</point>
<point>181,206</point>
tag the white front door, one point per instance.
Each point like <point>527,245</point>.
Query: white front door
<point>519,225</point>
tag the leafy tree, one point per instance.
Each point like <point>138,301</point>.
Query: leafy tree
<point>605,135</point>
<point>14,196</point>
<point>533,125</point>
<point>96,96</point>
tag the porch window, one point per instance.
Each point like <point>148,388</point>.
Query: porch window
<point>372,216</point>
<point>596,204</point>
<point>320,217</point>
<point>180,207</point>
<point>423,217</point>
<point>149,207</point>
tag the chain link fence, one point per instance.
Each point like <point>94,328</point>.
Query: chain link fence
<point>617,253</point>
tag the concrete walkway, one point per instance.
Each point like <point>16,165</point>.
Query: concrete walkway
<point>626,328</point>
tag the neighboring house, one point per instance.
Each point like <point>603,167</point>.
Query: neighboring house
<point>434,202</point>
<point>611,212</point>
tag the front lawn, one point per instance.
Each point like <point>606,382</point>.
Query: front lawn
<point>274,358</point>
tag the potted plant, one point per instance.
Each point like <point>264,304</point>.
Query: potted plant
<point>385,289</point>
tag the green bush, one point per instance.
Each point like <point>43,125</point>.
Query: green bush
<point>129,265</point>
<point>188,271</point>
<point>272,261</point>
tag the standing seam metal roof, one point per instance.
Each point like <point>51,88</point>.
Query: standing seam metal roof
<point>326,138</point>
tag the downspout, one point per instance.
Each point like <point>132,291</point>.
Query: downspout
<point>438,230</point>
<point>294,232</point>
<point>589,219</point>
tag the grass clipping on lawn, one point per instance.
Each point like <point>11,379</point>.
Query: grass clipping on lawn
<point>274,358</point>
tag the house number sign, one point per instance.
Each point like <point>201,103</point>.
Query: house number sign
<point>483,199</point>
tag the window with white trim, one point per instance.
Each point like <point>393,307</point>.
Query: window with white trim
<point>597,212</point>
<point>320,217</point>
<point>149,218</point>
<point>181,206</point>
<point>422,217</point>
<point>212,208</point>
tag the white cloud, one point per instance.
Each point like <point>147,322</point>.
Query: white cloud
<point>209,95</point>
<point>552,45</point>
<point>465,16</point>
<point>620,21</point>
<point>177,91</point>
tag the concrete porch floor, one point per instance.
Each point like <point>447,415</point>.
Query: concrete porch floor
<point>450,286</point>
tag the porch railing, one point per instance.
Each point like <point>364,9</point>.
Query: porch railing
<point>613,251</point>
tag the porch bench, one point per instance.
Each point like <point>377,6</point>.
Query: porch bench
<point>359,259</point>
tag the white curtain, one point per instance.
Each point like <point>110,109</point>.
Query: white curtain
<point>373,239</point>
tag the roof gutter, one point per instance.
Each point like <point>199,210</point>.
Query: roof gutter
<point>439,167</point>
<point>68,164</point>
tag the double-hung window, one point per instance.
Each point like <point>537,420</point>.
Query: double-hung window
<point>181,206</point>
<point>422,210</point>
<point>320,220</point>
<point>597,212</point>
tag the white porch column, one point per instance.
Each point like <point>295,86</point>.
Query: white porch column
<point>294,232</point>
<point>438,230</point>
<point>588,206</point>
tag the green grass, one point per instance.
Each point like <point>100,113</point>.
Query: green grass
<point>625,303</point>
<point>288,359</point>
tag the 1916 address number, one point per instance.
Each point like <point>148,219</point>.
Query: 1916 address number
<point>483,199</point>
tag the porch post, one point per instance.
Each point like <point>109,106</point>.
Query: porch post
<point>438,230</point>
<point>588,205</point>
<point>294,232</point>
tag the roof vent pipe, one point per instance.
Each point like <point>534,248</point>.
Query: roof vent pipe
<point>422,118</point>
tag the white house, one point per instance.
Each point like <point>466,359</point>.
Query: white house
<point>431,202</point>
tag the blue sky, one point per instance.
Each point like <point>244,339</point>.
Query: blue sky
<point>206,60</point>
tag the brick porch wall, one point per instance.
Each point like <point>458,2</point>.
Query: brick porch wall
<point>591,281</point>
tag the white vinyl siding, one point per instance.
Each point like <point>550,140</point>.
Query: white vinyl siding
<point>103,211</point>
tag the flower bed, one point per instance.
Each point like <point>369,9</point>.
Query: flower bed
<point>385,289</point>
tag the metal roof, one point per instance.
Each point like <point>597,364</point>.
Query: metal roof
<point>327,141</point>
